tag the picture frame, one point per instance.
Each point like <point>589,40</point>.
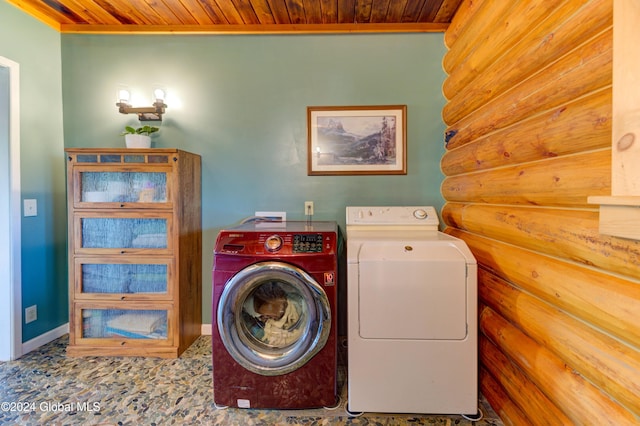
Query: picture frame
<point>357,140</point>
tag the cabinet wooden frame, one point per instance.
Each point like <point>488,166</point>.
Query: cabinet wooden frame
<point>119,342</point>
<point>179,207</point>
<point>94,168</point>
<point>124,251</point>
<point>80,293</point>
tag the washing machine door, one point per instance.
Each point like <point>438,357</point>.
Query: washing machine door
<point>273,317</point>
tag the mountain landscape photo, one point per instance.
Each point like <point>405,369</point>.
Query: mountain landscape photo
<point>356,140</point>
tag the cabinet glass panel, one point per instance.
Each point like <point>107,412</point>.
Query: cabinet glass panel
<point>124,233</point>
<point>124,323</point>
<point>124,278</point>
<point>140,187</point>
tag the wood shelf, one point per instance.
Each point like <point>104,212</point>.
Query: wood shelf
<point>619,215</point>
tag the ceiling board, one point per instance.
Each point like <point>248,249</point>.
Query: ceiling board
<point>241,16</point>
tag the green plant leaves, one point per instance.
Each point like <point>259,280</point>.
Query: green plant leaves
<point>142,130</point>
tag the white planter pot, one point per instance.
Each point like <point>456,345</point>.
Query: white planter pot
<point>137,141</point>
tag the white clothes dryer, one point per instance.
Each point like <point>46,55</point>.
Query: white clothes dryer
<point>412,314</point>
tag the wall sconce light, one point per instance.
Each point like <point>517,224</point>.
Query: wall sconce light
<point>152,113</point>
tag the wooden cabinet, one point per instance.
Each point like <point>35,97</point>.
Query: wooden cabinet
<point>135,251</point>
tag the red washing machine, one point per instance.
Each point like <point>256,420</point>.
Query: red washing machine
<point>274,333</point>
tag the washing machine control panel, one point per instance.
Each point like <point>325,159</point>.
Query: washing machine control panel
<point>294,239</point>
<point>301,243</point>
<point>307,243</point>
<point>296,243</point>
<point>273,243</point>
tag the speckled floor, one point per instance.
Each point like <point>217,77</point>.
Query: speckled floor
<point>47,387</point>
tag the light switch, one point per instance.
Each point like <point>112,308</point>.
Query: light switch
<point>30,207</point>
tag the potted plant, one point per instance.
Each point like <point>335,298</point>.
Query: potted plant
<point>139,137</point>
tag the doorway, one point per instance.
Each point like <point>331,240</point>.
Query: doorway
<point>10,219</point>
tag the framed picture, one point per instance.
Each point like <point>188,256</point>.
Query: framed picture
<point>357,140</point>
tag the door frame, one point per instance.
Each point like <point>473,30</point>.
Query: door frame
<point>11,230</point>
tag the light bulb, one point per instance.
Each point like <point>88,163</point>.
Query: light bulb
<point>123,95</point>
<point>158,95</point>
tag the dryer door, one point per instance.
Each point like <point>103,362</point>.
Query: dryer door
<point>273,317</point>
<point>412,290</point>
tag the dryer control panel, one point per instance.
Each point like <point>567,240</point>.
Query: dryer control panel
<point>423,216</point>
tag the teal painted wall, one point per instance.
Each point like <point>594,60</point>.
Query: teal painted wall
<point>240,102</point>
<point>37,48</point>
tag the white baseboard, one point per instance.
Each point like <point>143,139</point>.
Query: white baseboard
<point>205,330</point>
<point>44,338</point>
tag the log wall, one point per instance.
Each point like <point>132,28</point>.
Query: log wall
<point>528,115</point>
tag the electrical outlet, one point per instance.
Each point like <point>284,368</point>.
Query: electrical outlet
<point>31,314</point>
<point>308,208</point>
<point>30,207</point>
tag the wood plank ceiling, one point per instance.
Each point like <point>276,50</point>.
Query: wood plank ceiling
<point>241,16</point>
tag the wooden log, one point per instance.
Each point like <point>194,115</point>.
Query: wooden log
<point>465,13</point>
<point>485,20</point>
<point>566,27</point>
<point>565,234</point>
<point>610,365</point>
<point>581,125</point>
<point>517,386</point>
<point>581,402</point>
<point>511,29</point>
<point>509,412</point>
<point>562,181</point>
<point>585,70</point>
<point>607,301</point>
